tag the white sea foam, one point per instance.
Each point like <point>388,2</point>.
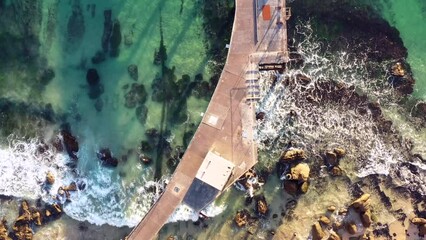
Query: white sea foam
<point>323,125</point>
<point>23,169</point>
<point>184,213</point>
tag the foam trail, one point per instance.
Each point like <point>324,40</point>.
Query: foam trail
<point>23,169</point>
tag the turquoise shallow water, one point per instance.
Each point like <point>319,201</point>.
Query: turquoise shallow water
<point>69,34</point>
<point>409,17</point>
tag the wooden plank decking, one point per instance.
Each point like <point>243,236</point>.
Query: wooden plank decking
<point>227,126</point>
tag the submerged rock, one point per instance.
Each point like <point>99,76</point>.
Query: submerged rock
<point>291,187</point>
<point>136,96</point>
<point>99,57</point>
<point>107,30</point>
<point>145,159</point>
<point>115,39</point>
<point>132,69</point>
<point>241,218</point>
<point>142,113</point>
<point>92,77</point>
<point>261,205</point>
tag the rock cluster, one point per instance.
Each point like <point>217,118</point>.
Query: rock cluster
<point>293,171</point>
<point>132,69</point>
<point>346,222</point>
<point>136,97</point>
<point>242,218</point>
<point>332,159</point>
<point>28,216</point>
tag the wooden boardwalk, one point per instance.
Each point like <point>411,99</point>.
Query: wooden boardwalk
<point>228,124</point>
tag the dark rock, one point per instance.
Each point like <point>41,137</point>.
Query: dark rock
<point>115,39</point>
<point>132,69</point>
<point>260,116</point>
<point>375,109</point>
<point>145,146</point>
<point>70,143</point>
<point>99,104</point>
<point>145,159</point>
<point>152,133</point>
<point>92,77</point>
<point>46,75</point>
<point>99,57</point>
<point>96,91</point>
<point>106,157</point>
<point>142,113</point>
<point>136,96</point>
<point>107,30</point>
<point>75,27</point>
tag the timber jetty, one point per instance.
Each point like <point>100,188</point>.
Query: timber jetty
<point>223,148</point>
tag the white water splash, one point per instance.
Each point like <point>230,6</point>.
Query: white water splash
<point>23,169</point>
<point>320,125</point>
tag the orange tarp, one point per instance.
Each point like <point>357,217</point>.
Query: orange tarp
<point>266,12</point>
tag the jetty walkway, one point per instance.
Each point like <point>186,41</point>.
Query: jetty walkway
<point>222,148</point>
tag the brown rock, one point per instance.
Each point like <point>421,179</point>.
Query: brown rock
<point>331,208</point>
<point>261,206</point>
<point>418,221</point>
<point>366,218</point>
<point>36,216</point>
<point>398,70</point>
<point>351,228</point>
<point>50,179</point>
<point>293,155</point>
<point>300,172</point>
<point>334,236</point>
<point>3,230</point>
<point>317,232</point>
<point>340,152</point>
<point>71,187</point>
<point>325,220</point>
<point>241,218</point>
<point>336,171</point>
<point>304,188</point>
<point>361,201</point>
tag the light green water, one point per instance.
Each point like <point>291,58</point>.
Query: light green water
<point>113,196</point>
<point>408,17</point>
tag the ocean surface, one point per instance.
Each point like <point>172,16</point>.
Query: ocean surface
<point>38,37</point>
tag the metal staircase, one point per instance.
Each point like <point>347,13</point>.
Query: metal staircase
<point>252,83</point>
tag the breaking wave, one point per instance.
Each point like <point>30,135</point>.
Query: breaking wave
<point>315,124</point>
